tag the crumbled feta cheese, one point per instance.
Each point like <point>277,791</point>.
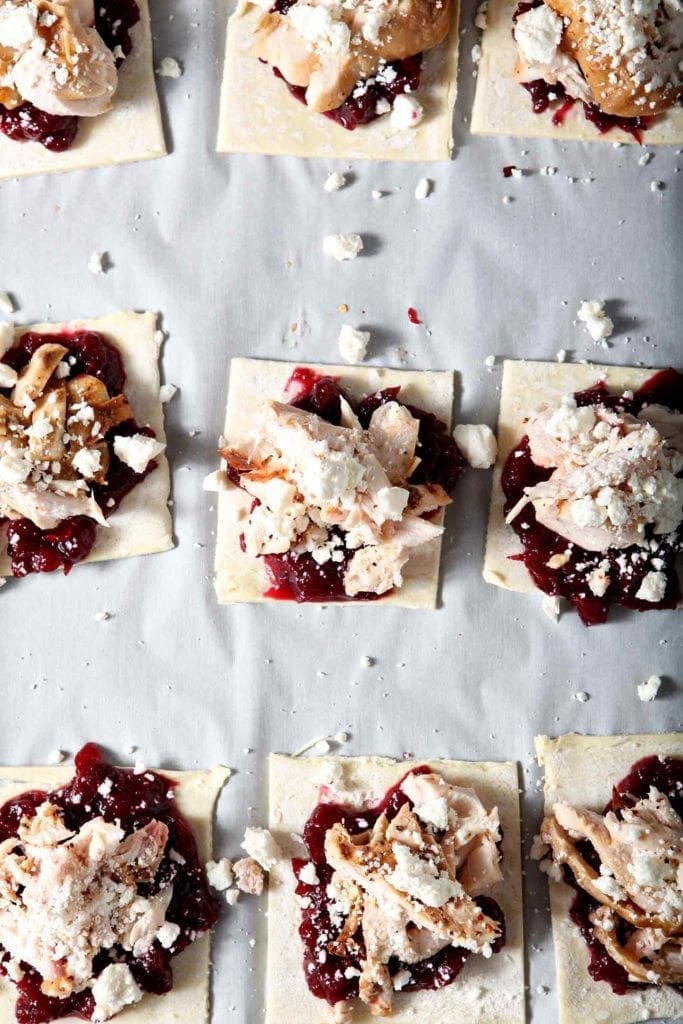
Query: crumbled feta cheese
<point>137,451</point>
<point>434,812</point>
<point>407,112</point>
<point>97,263</point>
<point>56,756</point>
<point>478,444</point>
<point>538,33</point>
<point>652,588</point>
<point>376,194</point>
<point>87,462</point>
<point>113,989</point>
<point>6,303</point>
<point>14,469</point>
<point>649,689</point>
<point>551,607</point>
<point>353,344</point>
<point>656,186</point>
<point>423,188</point>
<point>334,181</point>
<point>220,874</point>
<point>392,501</point>
<point>308,875</point>
<point>421,878</point>
<point>167,934</point>
<point>167,392</point>
<point>548,171</point>
<point>401,979</point>
<point>561,355</point>
<point>609,886</point>
<point>598,324</point>
<point>169,68</point>
<point>582,696</point>
<point>644,160</point>
<point>489,363</point>
<point>8,376</point>
<point>102,616</point>
<point>342,247</point>
<point>231,896</point>
<point>260,845</point>
<point>216,481</point>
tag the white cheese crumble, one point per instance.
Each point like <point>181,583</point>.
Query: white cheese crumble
<point>434,812</point>
<point>648,690</point>
<point>407,112</point>
<point>342,247</point>
<point>421,878</point>
<point>8,376</point>
<point>582,696</point>
<point>423,188</point>
<point>113,989</point>
<point>216,481</point>
<point>262,847</point>
<point>167,392</point>
<point>489,363</point>
<point>592,314</point>
<point>652,588</point>
<point>6,337</point>
<point>6,303</point>
<point>308,875</point>
<point>353,344</point>
<point>97,263</point>
<point>56,756</point>
<point>169,68</point>
<point>334,181</point>
<point>87,462</point>
<point>137,451</point>
<point>538,34</point>
<point>478,444</point>
<point>219,874</point>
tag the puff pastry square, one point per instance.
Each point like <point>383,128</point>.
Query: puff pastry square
<point>142,524</point>
<point>196,794</point>
<point>525,386</point>
<point>241,578</point>
<point>487,991</point>
<point>259,115</point>
<point>581,770</point>
<point>503,107</point>
<point>132,130</point>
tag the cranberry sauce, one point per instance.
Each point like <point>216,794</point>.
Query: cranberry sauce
<point>298,577</point>
<point>666,775</point>
<point>627,566</point>
<point>543,94</point>
<point>361,107</point>
<point>327,979</point>
<point>30,548</point>
<point>132,801</point>
<point>56,132</point>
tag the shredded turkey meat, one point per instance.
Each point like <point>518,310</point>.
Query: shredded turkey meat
<point>328,47</point>
<point>316,483</point>
<point>52,440</point>
<point>613,474</point>
<point>65,896</point>
<point>405,889</point>
<point>640,880</point>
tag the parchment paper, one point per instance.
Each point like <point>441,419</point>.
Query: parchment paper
<point>230,250</point>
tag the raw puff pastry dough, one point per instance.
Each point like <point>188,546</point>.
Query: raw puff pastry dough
<point>581,770</point>
<point>503,107</point>
<point>487,991</point>
<point>525,386</point>
<point>196,795</point>
<point>131,130</point>
<point>239,577</point>
<point>142,523</point>
<point>259,115</point>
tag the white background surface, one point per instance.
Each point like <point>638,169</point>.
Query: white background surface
<point>208,241</point>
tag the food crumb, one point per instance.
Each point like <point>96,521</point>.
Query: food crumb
<point>648,690</point>
<point>169,68</point>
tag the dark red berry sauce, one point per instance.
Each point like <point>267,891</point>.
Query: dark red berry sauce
<point>298,577</point>
<point>398,76</point>
<point>327,980</point>
<point>629,565</point>
<point>133,801</point>
<point>30,548</point>
<point>666,775</point>
<point>413,315</point>
<point>56,132</point>
<point>543,95</point>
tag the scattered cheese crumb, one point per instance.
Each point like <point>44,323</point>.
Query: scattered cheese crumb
<point>167,392</point>
<point>507,200</point>
<point>407,112</point>
<point>478,444</point>
<point>8,376</point>
<point>6,303</point>
<point>102,616</point>
<point>366,661</point>
<point>219,874</point>
<point>216,481</point>
<point>342,247</point>
<point>376,194</point>
<point>649,689</point>
<point>137,451</point>
<point>97,263</point>
<point>231,896</point>
<point>6,334</point>
<point>56,757</point>
<point>598,324</point>
<point>548,171</point>
<point>113,989</point>
<point>656,186</point>
<point>476,53</point>
<point>652,588</point>
<point>582,696</point>
<point>489,363</point>
<point>353,344</point>
<point>551,607</point>
<point>423,188</point>
<point>644,160</point>
<point>561,355</point>
<point>334,182</point>
<point>260,845</point>
<point>308,875</point>
<point>169,68</point>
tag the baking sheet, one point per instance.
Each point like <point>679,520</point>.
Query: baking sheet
<point>229,249</point>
